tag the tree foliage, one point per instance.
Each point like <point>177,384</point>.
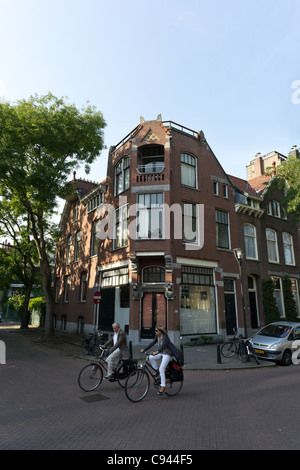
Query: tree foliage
<point>287,180</point>
<point>41,141</point>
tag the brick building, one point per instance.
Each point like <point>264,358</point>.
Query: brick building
<point>157,238</point>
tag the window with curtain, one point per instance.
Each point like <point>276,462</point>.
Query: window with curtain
<point>288,248</point>
<point>188,170</point>
<point>250,241</point>
<point>95,240</point>
<point>150,215</point>
<point>121,226</point>
<point>272,246</point>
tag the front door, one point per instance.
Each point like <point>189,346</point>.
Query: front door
<point>153,313</point>
<point>230,310</point>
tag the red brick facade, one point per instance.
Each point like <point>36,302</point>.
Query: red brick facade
<point>176,267</point>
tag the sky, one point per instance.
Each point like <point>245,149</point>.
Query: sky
<point>227,67</point>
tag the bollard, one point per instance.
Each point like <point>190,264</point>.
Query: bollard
<point>219,361</point>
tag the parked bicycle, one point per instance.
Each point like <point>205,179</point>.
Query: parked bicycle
<point>232,347</point>
<point>91,344</point>
<point>138,381</point>
<point>91,376</point>
<point>247,351</point>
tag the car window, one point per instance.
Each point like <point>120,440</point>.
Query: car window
<point>275,331</point>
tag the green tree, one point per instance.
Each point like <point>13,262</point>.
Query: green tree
<point>269,302</point>
<point>289,300</point>
<point>19,260</point>
<point>287,180</point>
<point>41,141</point>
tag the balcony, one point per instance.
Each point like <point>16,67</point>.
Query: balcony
<point>151,172</point>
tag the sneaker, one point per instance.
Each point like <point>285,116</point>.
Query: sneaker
<point>108,377</point>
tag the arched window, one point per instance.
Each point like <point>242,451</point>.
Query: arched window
<point>288,248</point>
<point>188,170</point>
<point>250,241</point>
<point>272,245</point>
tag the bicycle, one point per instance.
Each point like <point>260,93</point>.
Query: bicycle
<point>91,345</point>
<point>247,351</point>
<point>232,347</point>
<point>138,381</point>
<point>91,376</point>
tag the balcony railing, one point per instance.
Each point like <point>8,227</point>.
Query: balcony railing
<point>150,173</point>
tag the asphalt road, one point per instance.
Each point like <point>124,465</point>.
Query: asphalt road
<point>43,408</point>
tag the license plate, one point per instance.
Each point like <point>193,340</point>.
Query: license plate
<point>259,351</point>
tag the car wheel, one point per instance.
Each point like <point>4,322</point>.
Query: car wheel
<point>286,358</point>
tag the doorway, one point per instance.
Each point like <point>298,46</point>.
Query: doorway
<point>230,306</point>
<point>153,313</point>
<point>253,301</point>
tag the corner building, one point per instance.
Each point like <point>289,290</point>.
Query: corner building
<point>156,238</point>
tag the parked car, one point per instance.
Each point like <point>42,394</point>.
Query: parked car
<point>274,342</point>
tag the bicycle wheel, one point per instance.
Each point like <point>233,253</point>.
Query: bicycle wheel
<point>172,388</point>
<point>90,377</point>
<point>228,349</point>
<point>121,376</point>
<point>243,353</point>
<point>137,385</point>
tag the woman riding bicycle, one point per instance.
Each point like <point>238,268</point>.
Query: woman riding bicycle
<point>164,352</point>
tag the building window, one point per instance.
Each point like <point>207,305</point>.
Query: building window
<point>296,294</point>
<point>272,246</point>
<point>198,302</point>
<point>150,216</point>
<point>77,246</point>
<point>75,211</point>
<point>188,170</point>
<point>151,158</point>
<point>121,226</point>
<point>95,240</point>
<point>69,249</point>
<point>122,175</point>
<point>189,222</point>
<point>225,191</point>
<point>83,286</point>
<point>288,248</point>
<point>57,289</point>
<point>67,288</point>
<point>222,222</point>
<point>154,274</point>
<point>216,188</point>
<point>278,294</point>
<point>250,241</point>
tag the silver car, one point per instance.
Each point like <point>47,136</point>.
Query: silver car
<point>275,341</point>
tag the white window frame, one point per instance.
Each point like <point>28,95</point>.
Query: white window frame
<point>185,164</point>
<point>291,249</point>
<point>274,241</point>
<point>254,241</point>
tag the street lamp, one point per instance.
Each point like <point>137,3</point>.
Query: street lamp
<point>239,255</point>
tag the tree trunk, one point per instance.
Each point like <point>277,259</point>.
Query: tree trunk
<point>25,315</point>
<point>48,292</point>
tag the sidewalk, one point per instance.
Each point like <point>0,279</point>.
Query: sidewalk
<point>203,357</point>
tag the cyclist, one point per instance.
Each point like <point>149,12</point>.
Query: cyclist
<point>164,352</point>
<point>118,350</point>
